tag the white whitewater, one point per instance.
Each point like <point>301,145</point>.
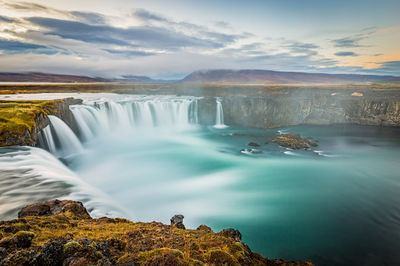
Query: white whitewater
<point>134,112</point>
<point>31,174</point>
<point>60,139</point>
<point>219,117</point>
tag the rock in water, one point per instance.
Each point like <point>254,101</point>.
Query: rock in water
<point>294,141</point>
<point>177,220</point>
<point>253,144</point>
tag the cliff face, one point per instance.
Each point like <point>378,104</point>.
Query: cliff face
<point>22,121</point>
<point>314,107</point>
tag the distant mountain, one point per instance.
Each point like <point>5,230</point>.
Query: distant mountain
<point>142,79</point>
<point>250,76</point>
<point>57,78</point>
<point>221,76</point>
<point>46,77</point>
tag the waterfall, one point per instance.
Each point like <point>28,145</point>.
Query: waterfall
<point>117,112</point>
<point>219,117</point>
<point>59,139</point>
<point>94,117</point>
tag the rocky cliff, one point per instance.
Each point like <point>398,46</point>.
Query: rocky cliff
<point>306,106</point>
<point>63,233</point>
<point>21,121</point>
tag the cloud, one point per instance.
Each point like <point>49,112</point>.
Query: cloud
<point>46,39</point>
<point>145,36</point>
<point>346,54</point>
<point>90,17</point>
<point>392,67</point>
<point>13,47</point>
<point>129,52</point>
<point>354,40</point>
<point>145,15</point>
<point>302,48</point>
<point>6,19</point>
<point>222,24</point>
<point>188,28</point>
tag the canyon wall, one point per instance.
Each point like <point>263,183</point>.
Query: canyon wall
<point>306,106</point>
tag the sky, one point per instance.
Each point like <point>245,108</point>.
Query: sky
<point>168,39</point>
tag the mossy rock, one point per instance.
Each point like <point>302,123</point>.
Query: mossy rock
<point>61,239</point>
<point>71,248</point>
<point>294,141</point>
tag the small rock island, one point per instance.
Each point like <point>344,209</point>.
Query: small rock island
<point>294,141</point>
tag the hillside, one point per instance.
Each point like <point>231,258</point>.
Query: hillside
<point>275,77</point>
<point>46,77</point>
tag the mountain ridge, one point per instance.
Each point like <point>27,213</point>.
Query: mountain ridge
<point>258,76</point>
<point>219,76</point>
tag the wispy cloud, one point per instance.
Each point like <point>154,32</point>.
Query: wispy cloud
<point>354,40</point>
<point>346,54</point>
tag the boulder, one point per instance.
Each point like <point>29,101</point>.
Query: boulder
<point>232,233</point>
<point>204,228</point>
<point>253,144</point>
<point>294,141</point>
<point>69,208</point>
<point>177,220</point>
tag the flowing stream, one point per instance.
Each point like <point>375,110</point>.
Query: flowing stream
<point>147,158</point>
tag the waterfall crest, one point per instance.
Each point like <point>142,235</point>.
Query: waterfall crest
<point>219,116</point>
<point>117,112</point>
<point>94,117</point>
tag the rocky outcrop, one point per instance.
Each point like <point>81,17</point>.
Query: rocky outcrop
<point>177,220</point>
<point>60,233</point>
<point>25,132</point>
<point>294,141</point>
<point>67,208</point>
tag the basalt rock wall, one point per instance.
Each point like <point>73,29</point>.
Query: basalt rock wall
<point>314,107</point>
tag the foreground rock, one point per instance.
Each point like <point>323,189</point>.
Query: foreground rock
<point>54,207</point>
<point>294,141</point>
<point>60,233</point>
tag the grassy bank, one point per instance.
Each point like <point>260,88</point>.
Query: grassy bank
<point>18,119</point>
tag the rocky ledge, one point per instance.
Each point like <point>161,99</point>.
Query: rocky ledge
<point>294,141</point>
<point>21,121</point>
<point>63,233</point>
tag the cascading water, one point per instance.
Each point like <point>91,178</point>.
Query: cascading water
<point>121,113</point>
<point>219,117</point>
<point>59,138</point>
<point>98,116</point>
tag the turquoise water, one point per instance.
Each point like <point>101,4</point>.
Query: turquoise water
<point>335,204</point>
<point>146,158</point>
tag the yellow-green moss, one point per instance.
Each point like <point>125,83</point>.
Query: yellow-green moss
<point>71,247</point>
<point>17,117</point>
<point>127,242</point>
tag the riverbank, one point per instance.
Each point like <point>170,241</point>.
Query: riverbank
<point>62,232</point>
